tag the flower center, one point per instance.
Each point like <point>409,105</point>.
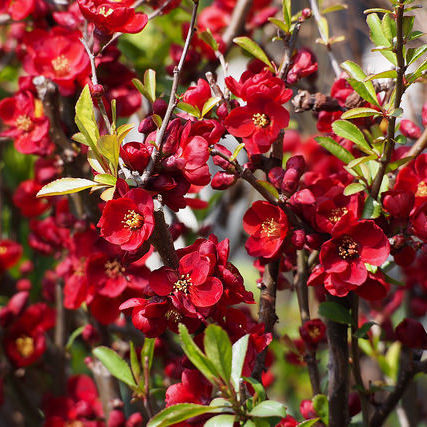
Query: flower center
<point>133,220</point>
<point>173,316</point>
<point>183,284</point>
<point>269,227</point>
<point>113,268</point>
<point>25,346</point>
<point>348,248</point>
<point>3,250</point>
<point>336,214</point>
<point>260,120</point>
<point>105,12</point>
<point>61,65</point>
<point>74,423</point>
<point>421,189</point>
<point>24,123</point>
<point>314,332</point>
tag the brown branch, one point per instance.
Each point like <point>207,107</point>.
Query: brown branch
<point>355,355</point>
<point>318,18</point>
<point>338,370</point>
<point>237,22</point>
<point>419,145</point>
<point>267,310</point>
<point>289,50</point>
<point>306,101</point>
<point>405,377</point>
<point>156,153</point>
<point>400,89</point>
<point>301,288</point>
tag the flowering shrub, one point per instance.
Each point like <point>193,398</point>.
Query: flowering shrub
<point>136,136</point>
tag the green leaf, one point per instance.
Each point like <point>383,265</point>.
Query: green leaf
<point>106,179</point>
<point>239,350</point>
<point>353,70</point>
<point>123,130</point>
<point>377,9</point>
<point>209,39</point>
<point>397,163</point>
<point>237,151</point>
<point>63,186</point>
<point>418,72</point>
<point>157,120</point>
<point>109,147</point>
<point>197,358</point>
<point>223,420</point>
<point>268,408</point>
<point>254,49</point>
<point>73,337</point>
<point>355,187</point>
<point>388,25</point>
<point>85,118</point>
<point>178,413</point>
<point>372,209</point>
<point>190,109</point>
<point>378,38</point>
<point>150,84</point>
<point>334,8</point>
<point>408,23</point>
<point>355,113</point>
<point>287,15</point>
<point>364,90</point>
<point>269,187</point>
<point>134,363</point>
<point>335,312</point>
<point>361,160</point>
<point>280,24</point>
<point>115,365</point>
<point>362,332</point>
<point>334,148</point>
<point>218,350</point>
<point>308,423</point>
<point>148,351</point>
<point>209,104</point>
<point>80,138</point>
<point>321,407</point>
<point>258,387</point>
<point>350,131</point>
<point>113,115</point>
<point>414,53</point>
<point>389,74</point>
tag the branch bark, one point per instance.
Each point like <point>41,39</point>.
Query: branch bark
<point>237,22</point>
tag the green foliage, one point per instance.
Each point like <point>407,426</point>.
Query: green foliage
<point>254,49</point>
<point>335,312</point>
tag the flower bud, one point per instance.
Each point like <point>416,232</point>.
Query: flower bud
<point>159,107</point>
<point>296,162</point>
<point>298,238</point>
<point>412,334</point>
<point>354,405</point>
<point>117,419</point>
<point>306,13</point>
<point>307,410</point>
<point>222,180</point>
<point>410,129</point>
<point>97,90</point>
<point>135,420</point>
<point>147,125</point>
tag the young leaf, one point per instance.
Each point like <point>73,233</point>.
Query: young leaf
<point>254,49</point>
<point>389,74</point>
<point>372,209</point>
<point>209,104</point>
<point>63,186</point>
<point>209,39</point>
<point>177,413</point>
<point>334,8</point>
<point>350,131</point>
<point>123,130</point>
<point>197,358</point>
<point>414,53</point>
<point>334,148</point>
<point>80,138</point>
<point>150,84</point>
<point>148,351</point>
<point>269,187</point>
<point>237,151</point>
<point>335,312</point>
<point>355,113</point>
<point>269,408</point>
<point>85,118</point>
<point>109,147</point>
<point>321,407</point>
<point>218,350</point>
<point>378,38</point>
<point>190,109</point>
<point>73,337</point>
<point>239,350</point>
<point>279,24</point>
<point>115,365</point>
<point>362,332</point>
<point>397,163</point>
<point>355,187</point>
<point>308,423</point>
<point>134,363</point>
<point>354,70</point>
<point>287,15</point>
<point>223,420</point>
<point>258,387</point>
<point>106,179</point>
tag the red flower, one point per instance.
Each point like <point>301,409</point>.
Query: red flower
<point>375,287</point>
<point>411,334</point>
<point>27,125</point>
<point>25,199</point>
<point>191,283</point>
<point>258,123</point>
<point>313,332</point>
<point>410,129</point>
<point>344,256</point>
<point>303,64</point>
<point>10,253</point>
<point>128,221</point>
<point>57,55</point>
<point>197,95</point>
<point>18,10</point>
<point>194,388</point>
<point>113,16</point>
<point>25,341</point>
<point>267,226</point>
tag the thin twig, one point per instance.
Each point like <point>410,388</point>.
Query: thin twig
<point>419,146</point>
<point>318,18</point>
<point>155,155</point>
<point>237,22</point>
<point>400,89</point>
<point>146,399</point>
<point>289,49</point>
<point>355,355</point>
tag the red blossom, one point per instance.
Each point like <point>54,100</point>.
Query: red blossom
<point>128,221</point>
<point>267,226</point>
<point>10,253</point>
